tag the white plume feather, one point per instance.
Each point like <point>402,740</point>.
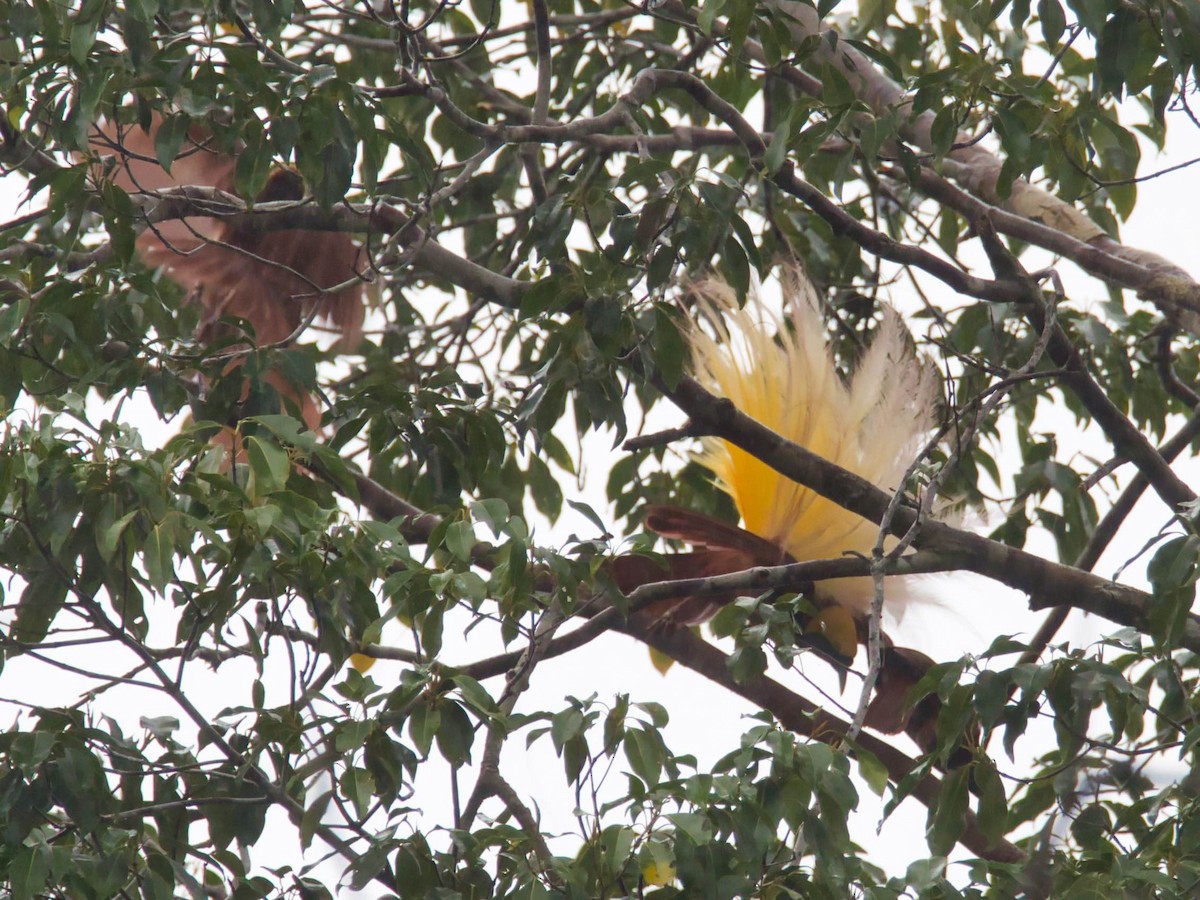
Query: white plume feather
<point>783,374</point>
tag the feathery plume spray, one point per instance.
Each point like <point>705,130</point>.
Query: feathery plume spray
<point>782,374</point>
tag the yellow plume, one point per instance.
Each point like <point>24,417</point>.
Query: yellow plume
<point>784,376</point>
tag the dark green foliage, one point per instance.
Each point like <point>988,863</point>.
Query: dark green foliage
<point>143,560</point>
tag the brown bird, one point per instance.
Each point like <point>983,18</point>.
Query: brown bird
<point>782,374</point>
<point>276,281</point>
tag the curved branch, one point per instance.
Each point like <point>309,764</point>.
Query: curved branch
<point>804,717</point>
<point>1047,583</point>
<point>193,200</point>
<point>1094,260</point>
<point>1106,530</point>
<point>978,169</point>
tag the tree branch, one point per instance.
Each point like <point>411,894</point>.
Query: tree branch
<point>1128,441</point>
<point>1047,583</point>
<point>806,718</point>
<point>974,166</point>
<point>1106,530</point>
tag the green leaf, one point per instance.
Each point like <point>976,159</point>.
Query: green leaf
<point>327,149</point>
<point>709,11</point>
<point>162,727</point>
<point>39,603</point>
<point>492,512</point>
<point>671,352</point>
<point>109,537</point>
<point>1174,564</point>
<point>575,755</point>
<point>992,814</point>
<point>747,663</point>
<point>158,554</point>
<point>1116,50</point>
<point>694,825</point>
<point>254,162</point>
<point>460,540</point>
<point>566,725</point>
<point>318,75</point>
<point>645,755</point>
<point>83,38</point>
<point>455,734</point>
<point>873,772</point>
<point>358,787</point>
<point>352,735</point>
<point>169,137</point>
<point>30,749</point>
<point>944,130</point>
<point>269,466</point>
<point>588,513</point>
<point>735,267</point>
<point>475,696</point>
<point>28,872</point>
<point>925,874</point>
<point>947,814</point>
<point>659,717</point>
<point>778,147</point>
<point>1053,21</point>
<point>836,91</point>
<point>423,725</point>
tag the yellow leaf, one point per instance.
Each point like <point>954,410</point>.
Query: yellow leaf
<point>658,873</point>
<point>660,661</point>
<point>361,662</point>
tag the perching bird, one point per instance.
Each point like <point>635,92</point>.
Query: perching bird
<point>783,374</point>
<point>276,281</point>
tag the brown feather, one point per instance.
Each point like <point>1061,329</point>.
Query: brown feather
<point>893,708</point>
<point>721,549</point>
<point>702,530</point>
<point>727,549</point>
<point>137,170</point>
<point>273,280</point>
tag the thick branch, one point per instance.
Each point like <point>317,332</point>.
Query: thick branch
<point>977,168</point>
<point>1047,583</point>
<point>200,200</point>
<point>794,577</point>
<point>887,248</point>
<point>1127,439</point>
<point>806,718</point>
<point>470,276</point>
<point>1094,260</point>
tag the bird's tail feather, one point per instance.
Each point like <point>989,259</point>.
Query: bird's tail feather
<point>780,372</point>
